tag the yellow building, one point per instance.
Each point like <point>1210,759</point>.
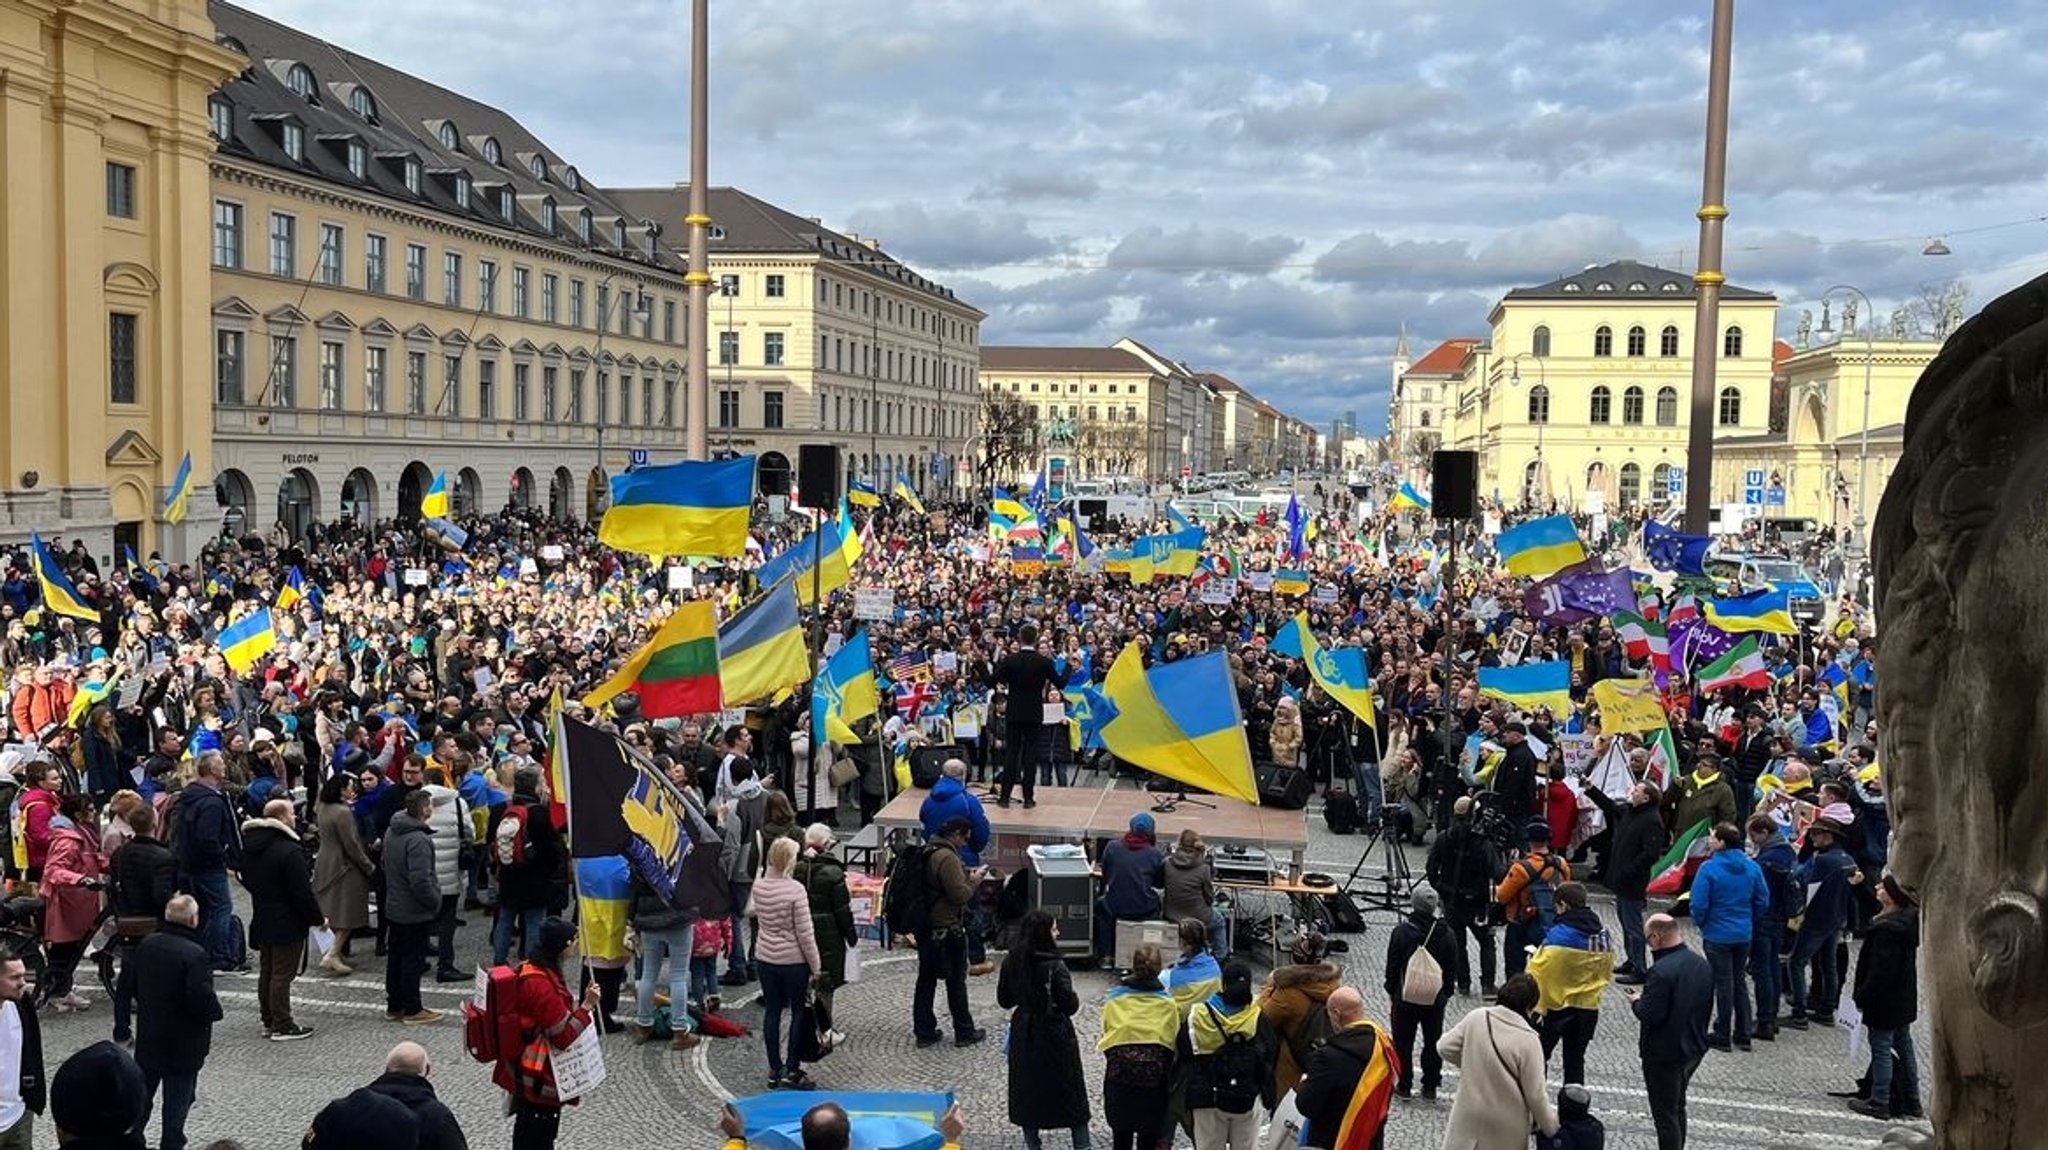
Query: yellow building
<point>1579,397</point>
<point>1822,466</point>
<point>1112,398</point>
<point>824,337</point>
<point>103,288</point>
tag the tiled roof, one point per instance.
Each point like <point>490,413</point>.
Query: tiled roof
<point>1011,358</point>
<point>1444,358</point>
<point>1626,279</point>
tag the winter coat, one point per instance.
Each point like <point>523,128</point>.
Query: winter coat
<point>1208,1027</point>
<point>411,893</point>
<point>651,912</point>
<point>1573,964</point>
<point>341,871</point>
<point>1332,1078</point>
<point>537,883</point>
<point>1887,987</point>
<point>1827,873</point>
<point>103,773</point>
<point>1047,1089</point>
<point>1462,867</point>
<point>1131,877</point>
<point>145,876</point>
<point>451,828</point>
<point>1408,935</point>
<point>438,1129</point>
<point>1515,782</point>
<point>740,826</point>
<point>74,859</point>
<point>1286,736</point>
<point>547,1013</point>
<point>949,798</point>
<point>1500,1086</point>
<point>950,886</point>
<point>32,1087</point>
<point>1678,995</point>
<point>208,833</point>
<point>1560,813</point>
<point>1296,991</point>
<point>1777,862</point>
<point>1729,897</point>
<point>1638,843</point>
<point>1707,798</point>
<point>38,807</point>
<point>824,880</point>
<point>169,978</point>
<point>280,884</point>
<point>782,911</point>
<point>1189,879</point>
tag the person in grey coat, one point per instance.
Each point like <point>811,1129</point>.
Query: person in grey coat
<point>412,901</point>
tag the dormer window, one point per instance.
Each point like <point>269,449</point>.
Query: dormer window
<point>505,202</point>
<point>583,225</point>
<point>653,233</point>
<point>222,114</point>
<point>547,216</point>
<point>294,139</point>
<point>300,80</point>
<point>539,168</point>
<point>461,191</point>
<point>1603,286</point>
<point>451,139</point>
<point>1572,287</point>
<point>363,104</point>
<point>571,180</point>
<point>492,154</point>
<point>717,232</point>
<point>412,176</point>
<point>358,159</point>
<point>1670,287</point>
<point>619,234</point>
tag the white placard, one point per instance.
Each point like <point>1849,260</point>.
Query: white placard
<point>483,987</point>
<point>874,603</point>
<point>417,576</point>
<point>1324,594</point>
<point>1219,592</point>
<point>551,552</point>
<point>1492,522</point>
<point>1259,580</point>
<point>945,661</point>
<point>580,1068</point>
<point>1055,713</point>
<point>528,567</point>
<point>319,940</point>
<point>853,964</point>
<point>483,678</point>
<point>681,578</point>
<point>1578,753</point>
<point>732,717</point>
<point>967,721</point>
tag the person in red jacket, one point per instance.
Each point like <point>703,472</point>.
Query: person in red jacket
<point>38,807</point>
<point>550,1018</point>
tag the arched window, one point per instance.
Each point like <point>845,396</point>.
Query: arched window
<point>1731,407</point>
<point>300,81</point>
<point>1667,407</point>
<point>1539,404</point>
<point>1425,417</point>
<point>1532,483</point>
<point>1596,476</point>
<point>539,168</point>
<point>492,153</point>
<point>1603,405</point>
<point>1632,406</point>
<point>362,104</point>
<point>1603,340</point>
<point>1539,341</point>
<point>1631,486</point>
<point>451,139</point>
<point>1667,344</point>
<point>1660,484</point>
<point>1636,341</point>
<point>1731,343</point>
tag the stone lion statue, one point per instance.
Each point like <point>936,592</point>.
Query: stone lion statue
<point>1961,553</point>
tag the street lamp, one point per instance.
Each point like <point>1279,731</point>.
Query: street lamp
<point>1542,381</point>
<point>642,309</point>
<point>1863,436</point>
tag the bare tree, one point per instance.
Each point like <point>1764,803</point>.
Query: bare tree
<point>1423,445</point>
<point>1939,308</point>
<point>1010,435</point>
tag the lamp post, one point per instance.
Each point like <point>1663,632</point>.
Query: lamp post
<point>1707,281</point>
<point>642,309</point>
<point>874,383</point>
<point>1542,381</point>
<point>1863,435</point>
<point>697,391</point>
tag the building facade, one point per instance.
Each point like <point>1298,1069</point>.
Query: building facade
<point>1424,401</point>
<point>823,337</point>
<point>103,284</point>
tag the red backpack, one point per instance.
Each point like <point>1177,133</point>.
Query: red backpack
<point>508,842</point>
<point>491,1032</point>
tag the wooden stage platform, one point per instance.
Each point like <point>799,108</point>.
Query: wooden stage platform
<point>1071,814</point>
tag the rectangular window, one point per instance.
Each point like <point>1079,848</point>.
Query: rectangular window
<point>668,403</point>
<point>416,271</point>
<point>227,234</point>
<point>575,303</point>
<point>647,402</point>
<point>728,348</point>
<point>522,385</point>
<point>575,397</point>
<point>604,397</point>
<point>550,285</point>
<point>771,349</point>
<point>451,385</point>
<point>604,306</point>
<point>358,160</point>
<point>284,371</point>
<point>330,375</point>
<point>222,116</point>
<point>374,378</point>
<point>771,410</point>
<point>774,288</point>
<point>520,290</point>
<point>295,143</point>
<point>487,389</point>
<point>487,285</point>
<point>122,336</point>
<point>451,279</point>
<point>229,375</point>
<point>121,190</point>
<point>415,383</point>
<point>550,402</point>
<point>668,321</point>
<point>728,409</point>
<point>330,254</point>
<point>375,258</point>
<point>626,310</point>
<point>284,245</point>
<point>625,399</point>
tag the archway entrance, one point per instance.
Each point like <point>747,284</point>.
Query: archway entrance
<point>412,487</point>
<point>469,492</point>
<point>596,496</point>
<point>560,494</point>
<point>359,496</point>
<point>522,488</point>
<point>298,503</point>
<point>233,492</point>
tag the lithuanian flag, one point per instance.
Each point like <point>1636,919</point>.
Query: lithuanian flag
<point>690,508</point>
<point>677,673</point>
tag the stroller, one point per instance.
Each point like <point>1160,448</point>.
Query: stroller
<point>21,931</point>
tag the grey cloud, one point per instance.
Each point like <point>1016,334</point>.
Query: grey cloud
<point>1318,114</point>
<point>1049,182</point>
<point>1199,247</point>
<point>1519,256</point>
<point>951,239</point>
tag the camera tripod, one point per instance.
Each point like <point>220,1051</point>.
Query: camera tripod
<point>1388,890</point>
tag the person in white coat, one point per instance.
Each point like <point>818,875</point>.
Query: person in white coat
<point>1500,1061</point>
<point>452,833</point>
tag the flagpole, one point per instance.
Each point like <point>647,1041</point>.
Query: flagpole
<point>817,649</point>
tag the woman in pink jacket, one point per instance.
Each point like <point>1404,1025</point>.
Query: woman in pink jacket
<point>71,886</point>
<point>787,951</point>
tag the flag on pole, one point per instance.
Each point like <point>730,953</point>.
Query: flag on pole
<point>58,593</point>
<point>1541,546</point>
<point>434,504</point>
<point>1409,499</point>
<point>676,673</point>
<point>863,493</point>
<point>1742,666</point>
<point>246,639</point>
<point>907,494</point>
<point>180,494</point>
<point>1673,873</point>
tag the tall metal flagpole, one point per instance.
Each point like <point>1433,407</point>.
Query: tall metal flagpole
<point>817,652</point>
<point>1706,325</point>
<point>697,389</point>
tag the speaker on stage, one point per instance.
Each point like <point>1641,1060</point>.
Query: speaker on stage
<point>1454,484</point>
<point>817,476</point>
<point>928,763</point>
<point>1286,788</point>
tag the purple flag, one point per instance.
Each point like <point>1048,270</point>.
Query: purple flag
<point>1580,592</point>
<point>1696,642</point>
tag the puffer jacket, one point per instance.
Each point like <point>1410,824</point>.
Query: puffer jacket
<point>1189,890</point>
<point>450,826</point>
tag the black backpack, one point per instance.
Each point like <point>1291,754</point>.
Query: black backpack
<point>1340,810</point>
<point>907,894</point>
<point>1229,1079</point>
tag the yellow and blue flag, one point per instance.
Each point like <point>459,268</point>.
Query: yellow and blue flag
<point>863,493</point>
<point>690,508</point>
<point>775,1121</point>
<point>907,494</point>
<point>1768,611</point>
<point>58,593</point>
<point>1339,671</point>
<point>828,541</point>
<point>1410,499</point>
<point>1541,546</point>
<point>246,639</point>
<point>1181,720</point>
<point>844,693</point>
<point>761,649</point>
<point>135,565</point>
<point>180,494</point>
<point>1180,522</point>
<point>604,895</point>
<point>1291,582</point>
<point>293,591</point>
<point>434,504</point>
<point>1530,685</point>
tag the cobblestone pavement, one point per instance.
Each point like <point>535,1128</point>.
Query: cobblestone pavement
<point>265,1093</point>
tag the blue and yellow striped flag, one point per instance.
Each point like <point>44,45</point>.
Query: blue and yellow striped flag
<point>903,491</point>
<point>246,640</point>
<point>434,504</point>
<point>689,508</point>
<point>863,494</point>
<point>58,593</point>
<point>180,493</point>
<point>293,592</point>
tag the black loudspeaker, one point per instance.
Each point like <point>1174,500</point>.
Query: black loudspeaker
<point>928,763</point>
<point>1454,485</point>
<point>817,476</point>
<point>1285,788</point>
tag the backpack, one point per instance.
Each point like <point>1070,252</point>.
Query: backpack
<point>1542,892</point>
<point>508,842</point>
<point>1315,1033</point>
<point>1340,810</point>
<point>491,1032</point>
<point>1423,978</point>
<point>907,892</point>
<point>1788,894</point>
<point>1228,1079</point>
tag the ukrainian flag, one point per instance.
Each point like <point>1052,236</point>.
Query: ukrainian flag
<point>1530,685</point>
<point>293,591</point>
<point>689,508</point>
<point>1014,517</point>
<point>903,491</point>
<point>794,565</point>
<point>434,504</point>
<point>1410,499</point>
<point>1180,720</point>
<point>1180,522</point>
<point>761,649</point>
<point>863,493</point>
<point>604,893</point>
<point>849,539</point>
<point>1541,546</point>
<point>1339,671</point>
<point>1769,611</point>
<point>180,493</point>
<point>246,639</point>
<point>1291,582</point>
<point>58,593</point>
<point>843,693</point>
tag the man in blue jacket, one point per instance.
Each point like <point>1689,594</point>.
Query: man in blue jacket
<point>1775,858</point>
<point>1828,873</point>
<point>950,799</point>
<point>1729,897</point>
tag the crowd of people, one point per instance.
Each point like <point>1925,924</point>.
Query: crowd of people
<point>377,776</point>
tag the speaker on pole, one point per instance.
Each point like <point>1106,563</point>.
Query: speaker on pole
<point>1454,484</point>
<point>817,475</point>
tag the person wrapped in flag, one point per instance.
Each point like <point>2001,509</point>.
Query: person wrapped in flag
<point>1348,1090</point>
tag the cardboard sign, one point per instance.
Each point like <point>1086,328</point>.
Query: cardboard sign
<point>1578,753</point>
<point>1259,580</point>
<point>874,603</point>
<point>552,552</point>
<point>580,1068</point>
<point>1324,594</point>
<point>1219,592</point>
<point>417,576</point>
<point>528,567</point>
<point>681,578</point>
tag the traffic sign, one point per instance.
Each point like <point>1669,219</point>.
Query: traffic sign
<point>1753,486</point>
<point>1674,480</point>
<point>636,457</point>
<point>1775,496</point>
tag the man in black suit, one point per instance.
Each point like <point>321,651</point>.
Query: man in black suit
<point>1026,673</point>
<point>1672,1006</point>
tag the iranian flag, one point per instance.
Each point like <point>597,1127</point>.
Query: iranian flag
<point>1742,666</point>
<point>1663,764</point>
<point>1644,638</point>
<point>1673,873</point>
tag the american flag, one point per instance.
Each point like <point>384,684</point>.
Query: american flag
<point>913,697</point>
<point>911,666</point>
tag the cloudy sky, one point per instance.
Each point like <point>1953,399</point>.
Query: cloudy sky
<point>1273,188</point>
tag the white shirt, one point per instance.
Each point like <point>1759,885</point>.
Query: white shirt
<point>12,1108</point>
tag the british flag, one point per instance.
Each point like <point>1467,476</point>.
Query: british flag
<point>913,697</point>
<point>910,666</point>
